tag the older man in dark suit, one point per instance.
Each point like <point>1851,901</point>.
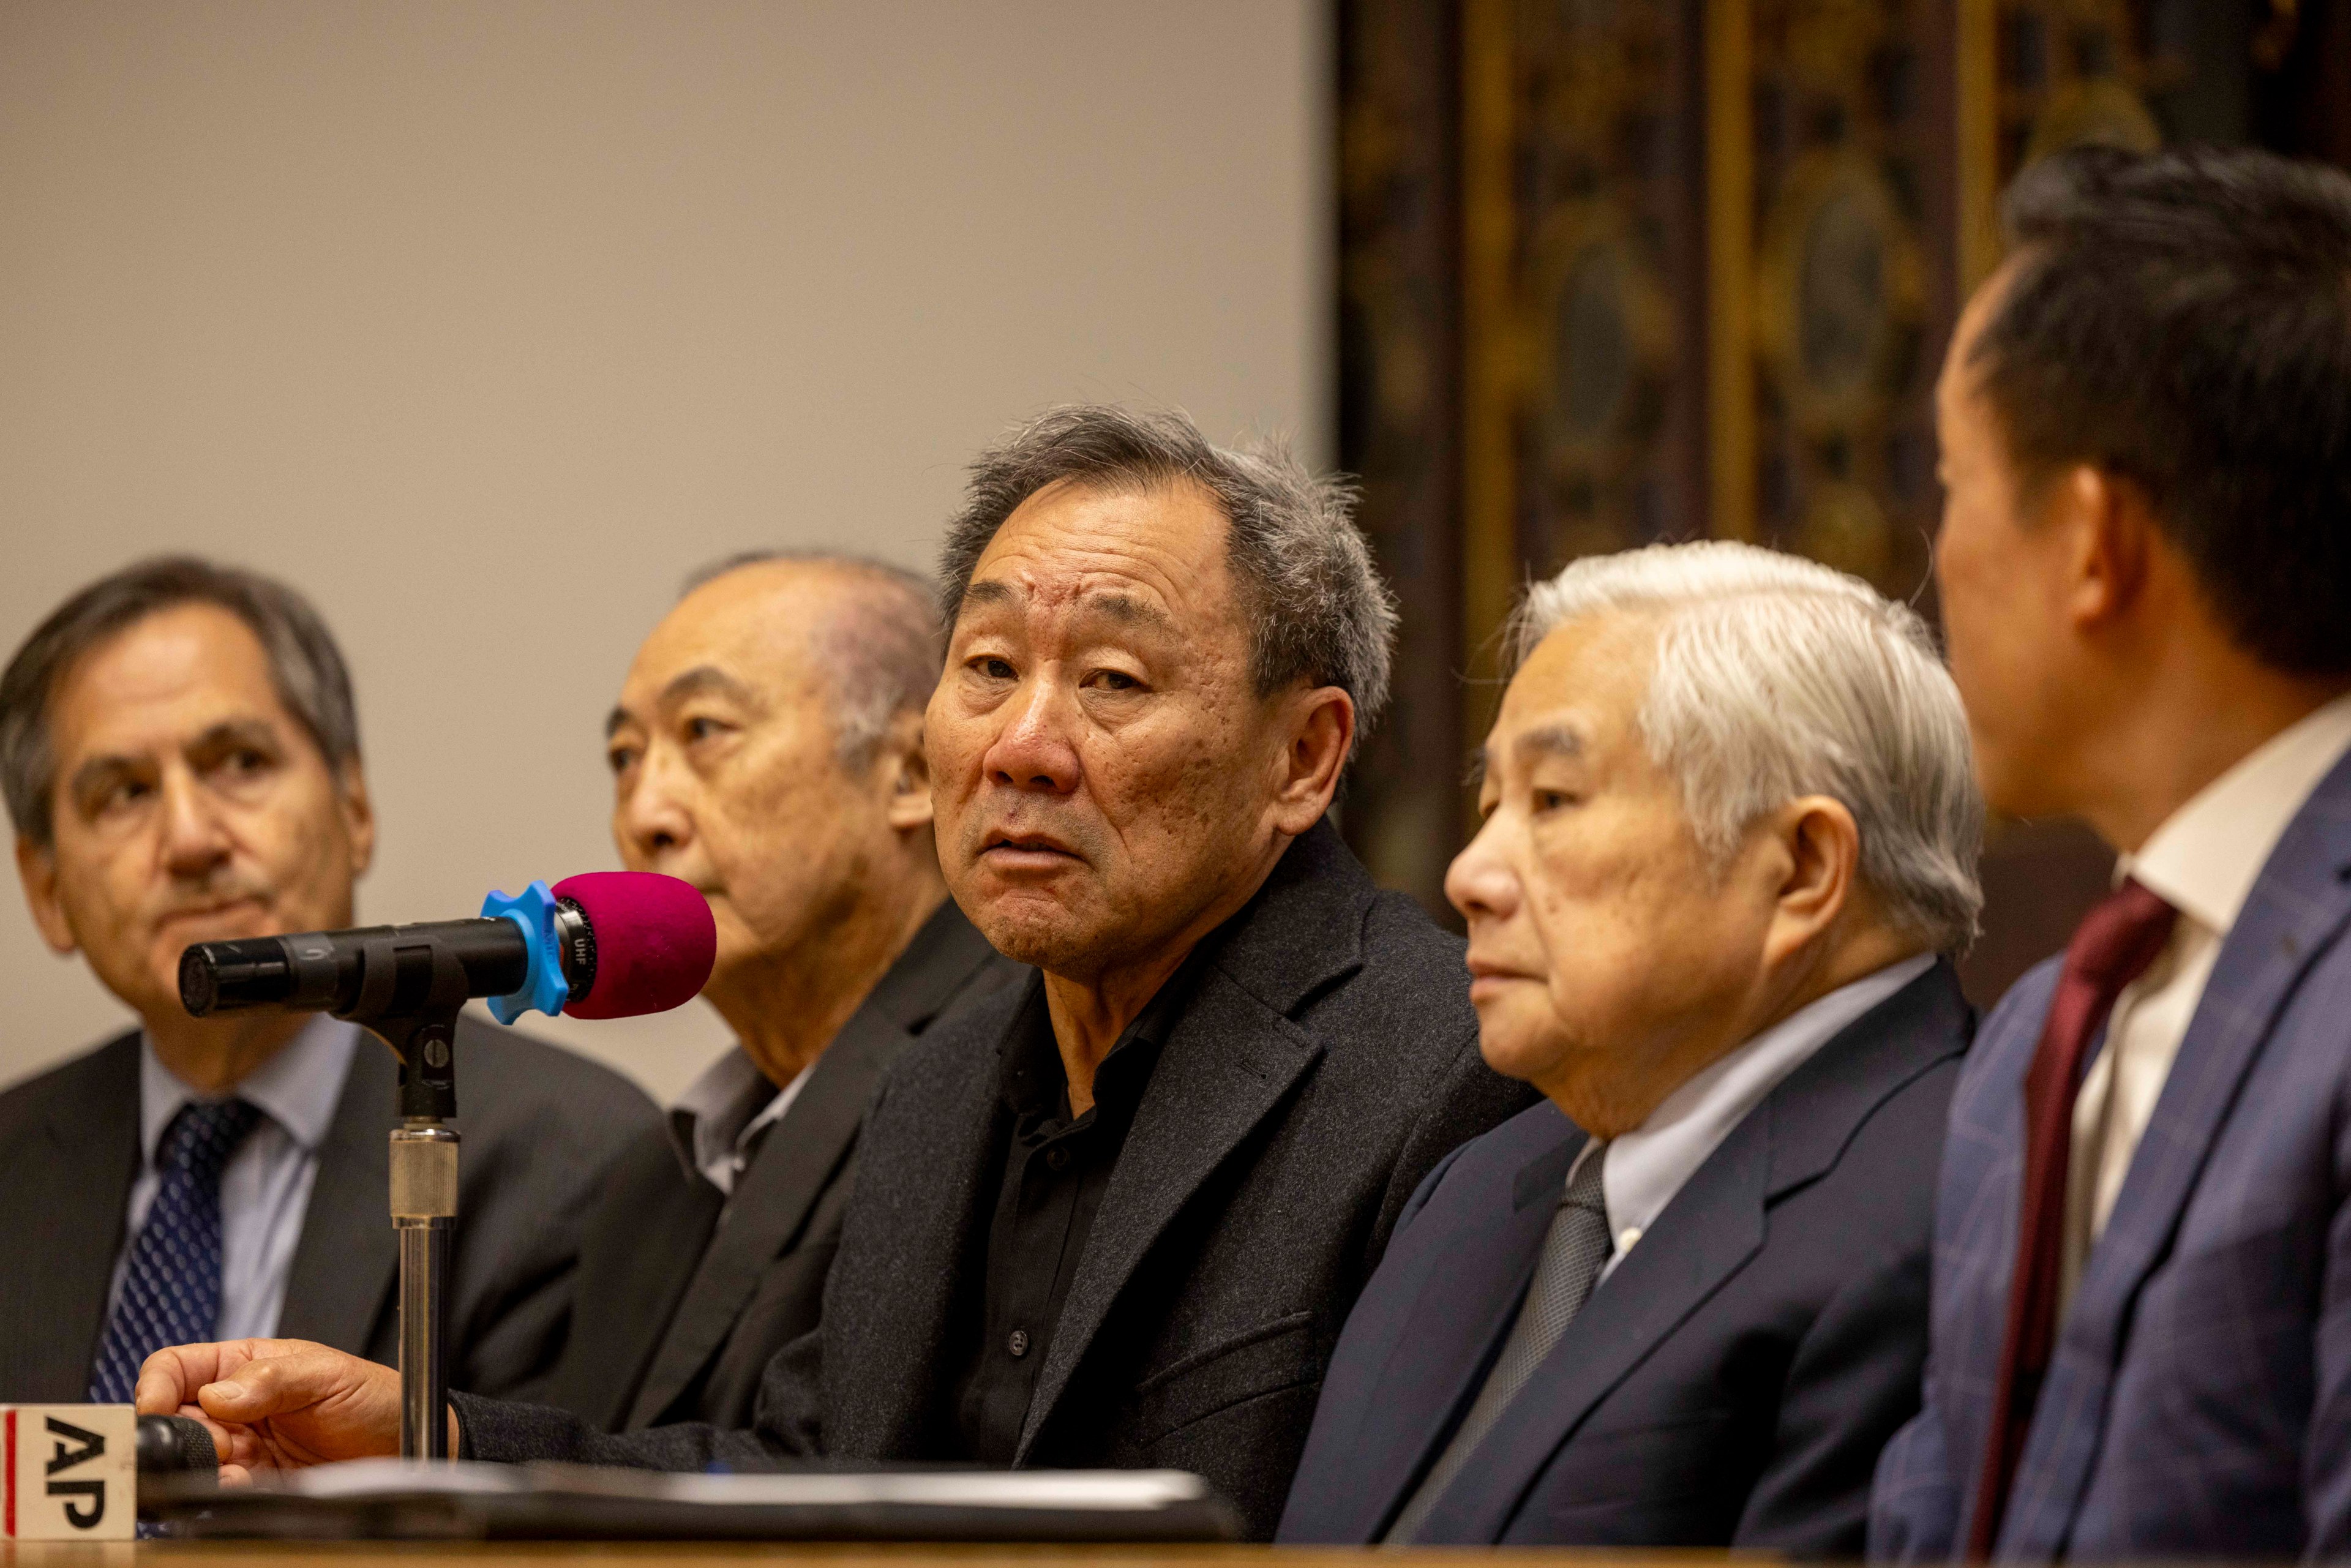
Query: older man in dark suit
<point>768,747</point>
<point>1116,1215</point>
<point>2143,1249</point>
<point>1729,831</point>
<point>180,755</point>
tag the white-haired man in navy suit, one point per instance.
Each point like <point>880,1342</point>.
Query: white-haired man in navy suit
<point>1730,836</point>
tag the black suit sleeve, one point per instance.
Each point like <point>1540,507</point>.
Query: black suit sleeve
<point>502,1431</point>
<point>542,1128</point>
<point>788,1427</point>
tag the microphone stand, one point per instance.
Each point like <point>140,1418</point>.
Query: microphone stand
<point>421,1032</point>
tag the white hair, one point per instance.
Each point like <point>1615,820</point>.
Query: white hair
<point>1777,677</point>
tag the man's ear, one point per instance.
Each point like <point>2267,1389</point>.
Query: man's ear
<point>37,868</point>
<point>2111,531</point>
<point>906,773</point>
<point>1819,862</point>
<point>1320,729</point>
<point>359,814</point>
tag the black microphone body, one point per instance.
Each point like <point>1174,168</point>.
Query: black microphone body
<point>375,971</point>
<point>327,971</point>
<point>404,982</point>
<point>176,1444</point>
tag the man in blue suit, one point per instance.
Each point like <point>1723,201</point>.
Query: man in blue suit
<point>2141,1339</point>
<point>1729,832</point>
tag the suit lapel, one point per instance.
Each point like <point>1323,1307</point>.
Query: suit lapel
<point>2296,909</point>
<point>921,1210</point>
<point>344,1266</point>
<point>804,1153</point>
<point>794,1166</point>
<point>1714,1225</point>
<point>1233,1056</point>
<point>1226,1065</point>
<point>64,1227</point>
<point>636,1270</point>
<point>1465,1300</point>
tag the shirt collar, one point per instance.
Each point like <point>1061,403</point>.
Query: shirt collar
<point>297,1088</point>
<point>723,1111</point>
<point>2205,858</point>
<point>1649,1164</point>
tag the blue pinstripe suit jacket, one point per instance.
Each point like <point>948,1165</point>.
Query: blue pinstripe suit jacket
<point>2199,1398</point>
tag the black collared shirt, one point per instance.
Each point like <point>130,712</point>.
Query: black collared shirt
<point>1054,1170</point>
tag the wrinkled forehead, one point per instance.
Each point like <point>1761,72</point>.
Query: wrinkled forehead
<point>1577,695</point>
<point>164,678</point>
<point>750,634</point>
<point>1142,558</point>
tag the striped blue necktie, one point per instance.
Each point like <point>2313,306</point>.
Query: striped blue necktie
<point>171,1289</point>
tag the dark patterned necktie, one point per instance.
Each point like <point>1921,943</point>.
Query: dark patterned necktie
<point>2113,946</point>
<point>1573,1253</point>
<point>172,1288</point>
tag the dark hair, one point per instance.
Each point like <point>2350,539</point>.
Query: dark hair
<point>2183,320</point>
<point>1317,611</point>
<point>305,665</point>
<point>880,644</point>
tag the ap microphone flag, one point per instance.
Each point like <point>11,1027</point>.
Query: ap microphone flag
<point>67,1472</point>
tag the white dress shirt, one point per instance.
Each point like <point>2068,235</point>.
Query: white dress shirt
<point>718,1122</point>
<point>1647,1167</point>
<point>266,1186</point>
<point>2203,862</point>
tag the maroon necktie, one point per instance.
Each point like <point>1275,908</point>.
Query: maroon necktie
<point>2110,949</point>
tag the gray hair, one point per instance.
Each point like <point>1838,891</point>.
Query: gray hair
<point>1777,677</point>
<point>304,667</point>
<point>879,645</point>
<point>1317,611</point>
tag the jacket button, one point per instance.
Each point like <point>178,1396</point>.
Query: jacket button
<point>1019,1344</point>
<point>1057,1158</point>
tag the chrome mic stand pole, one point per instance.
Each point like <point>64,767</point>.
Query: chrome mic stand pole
<point>423,1178</point>
<point>424,1208</point>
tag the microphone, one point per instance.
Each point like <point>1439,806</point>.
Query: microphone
<point>606,945</point>
<point>602,945</point>
<point>175,1445</point>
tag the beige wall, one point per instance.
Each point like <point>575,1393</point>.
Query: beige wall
<point>484,322</point>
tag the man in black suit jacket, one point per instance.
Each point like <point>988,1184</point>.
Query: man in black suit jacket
<point>1115,1215</point>
<point>1728,827</point>
<point>182,764</point>
<point>767,748</point>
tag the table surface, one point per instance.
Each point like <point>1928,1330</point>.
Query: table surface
<point>675,1554</point>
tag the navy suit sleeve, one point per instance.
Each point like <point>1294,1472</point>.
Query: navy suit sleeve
<point>2326,1451</point>
<point>1853,1382</point>
<point>1914,1501</point>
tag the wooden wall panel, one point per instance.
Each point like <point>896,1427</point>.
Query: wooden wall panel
<point>1400,425</point>
<point>1694,263</point>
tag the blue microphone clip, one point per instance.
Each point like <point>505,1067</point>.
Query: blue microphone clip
<point>543,986</point>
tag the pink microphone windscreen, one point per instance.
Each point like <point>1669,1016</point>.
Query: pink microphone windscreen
<point>654,941</point>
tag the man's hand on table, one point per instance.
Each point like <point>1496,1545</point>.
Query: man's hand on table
<point>278,1404</point>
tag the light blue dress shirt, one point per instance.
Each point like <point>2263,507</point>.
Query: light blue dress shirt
<point>266,1187</point>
